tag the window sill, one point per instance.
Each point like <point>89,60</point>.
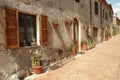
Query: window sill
<point>30,46</point>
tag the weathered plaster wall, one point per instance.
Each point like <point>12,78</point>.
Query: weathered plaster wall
<point>96,20</point>
<point>12,60</point>
<point>62,37</point>
<point>96,17</point>
<point>84,12</point>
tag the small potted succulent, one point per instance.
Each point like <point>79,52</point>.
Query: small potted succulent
<point>36,61</point>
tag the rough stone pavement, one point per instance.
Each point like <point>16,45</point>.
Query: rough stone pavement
<point>100,63</point>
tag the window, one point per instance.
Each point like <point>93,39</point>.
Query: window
<point>27,29</point>
<point>77,1</point>
<point>96,7</point>
<point>20,28</point>
<point>110,14</point>
<point>106,16</point>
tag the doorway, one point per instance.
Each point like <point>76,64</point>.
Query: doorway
<point>76,33</point>
<point>95,33</point>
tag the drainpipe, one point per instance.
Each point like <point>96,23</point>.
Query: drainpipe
<point>38,30</point>
<point>80,36</point>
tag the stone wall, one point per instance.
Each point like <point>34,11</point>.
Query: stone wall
<point>13,60</point>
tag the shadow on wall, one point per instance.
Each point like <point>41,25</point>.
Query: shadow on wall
<point>69,32</point>
<point>22,57</point>
<point>59,34</point>
<point>84,34</point>
<point>51,42</point>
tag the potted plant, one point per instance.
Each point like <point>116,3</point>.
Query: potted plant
<point>72,48</point>
<point>89,45</point>
<point>55,24</point>
<point>107,36</point>
<point>67,22</point>
<point>36,61</point>
<point>93,45</point>
<point>84,45</point>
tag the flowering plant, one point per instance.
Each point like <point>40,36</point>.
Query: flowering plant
<point>36,57</point>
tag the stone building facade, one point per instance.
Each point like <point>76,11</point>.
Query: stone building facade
<point>107,19</point>
<point>13,60</point>
<point>116,25</point>
<point>14,49</point>
<point>101,18</point>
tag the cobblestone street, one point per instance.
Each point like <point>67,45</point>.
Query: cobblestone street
<point>100,63</point>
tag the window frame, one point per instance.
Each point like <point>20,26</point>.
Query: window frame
<point>27,27</point>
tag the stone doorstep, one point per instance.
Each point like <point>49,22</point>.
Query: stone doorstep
<point>65,61</point>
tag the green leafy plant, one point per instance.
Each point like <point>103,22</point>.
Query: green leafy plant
<point>36,57</point>
<point>89,43</point>
<point>70,47</point>
<point>108,34</point>
<point>83,42</point>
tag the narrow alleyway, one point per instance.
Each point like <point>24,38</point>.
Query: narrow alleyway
<point>100,63</point>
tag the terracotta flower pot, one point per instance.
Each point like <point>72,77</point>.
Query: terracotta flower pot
<point>37,69</point>
<point>73,52</point>
<point>55,25</point>
<point>70,23</point>
<point>66,23</point>
<point>107,38</point>
<point>84,47</point>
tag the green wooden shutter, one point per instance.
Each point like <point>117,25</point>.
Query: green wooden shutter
<point>44,36</point>
<point>11,28</point>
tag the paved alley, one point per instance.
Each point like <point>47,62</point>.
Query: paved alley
<point>100,63</point>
